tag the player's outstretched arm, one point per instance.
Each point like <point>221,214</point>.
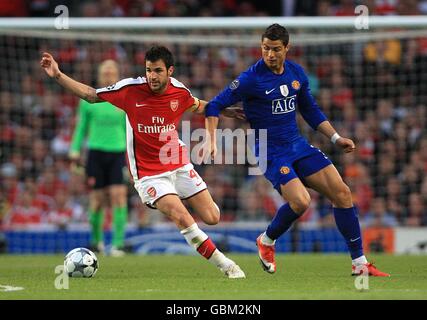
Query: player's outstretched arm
<point>328,130</point>
<point>211,124</point>
<point>234,112</point>
<point>79,89</point>
<point>198,106</point>
<point>230,112</point>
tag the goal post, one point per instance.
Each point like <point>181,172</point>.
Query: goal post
<point>370,82</point>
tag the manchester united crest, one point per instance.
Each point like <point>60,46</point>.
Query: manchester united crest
<point>174,105</point>
<point>284,170</point>
<point>296,85</point>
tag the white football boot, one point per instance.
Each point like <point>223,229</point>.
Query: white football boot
<point>233,271</point>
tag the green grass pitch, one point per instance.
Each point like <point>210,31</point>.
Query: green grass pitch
<point>303,276</point>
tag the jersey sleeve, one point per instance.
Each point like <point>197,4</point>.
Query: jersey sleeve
<point>238,90</point>
<point>308,106</point>
<point>188,100</point>
<point>116,93</point>
<point>80,129</point>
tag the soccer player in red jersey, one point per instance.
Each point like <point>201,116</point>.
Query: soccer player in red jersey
<point>162,172</point>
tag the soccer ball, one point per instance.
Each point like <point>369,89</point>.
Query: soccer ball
<point>81,262</point>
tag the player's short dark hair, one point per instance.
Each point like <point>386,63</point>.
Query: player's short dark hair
<point>276,32</point>
<point>156,53</point>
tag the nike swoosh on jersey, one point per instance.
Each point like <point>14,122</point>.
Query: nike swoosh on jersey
<point>140,105</point>
<point>269,91</point>
<point>352,240</point>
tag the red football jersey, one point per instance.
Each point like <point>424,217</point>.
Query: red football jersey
<point>153,144</point>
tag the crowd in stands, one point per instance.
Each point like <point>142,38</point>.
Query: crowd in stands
<point>379,100</point>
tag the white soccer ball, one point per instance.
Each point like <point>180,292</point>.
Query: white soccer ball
<point>81,262</point>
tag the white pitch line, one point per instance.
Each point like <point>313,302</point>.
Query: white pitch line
<point>6,288</point>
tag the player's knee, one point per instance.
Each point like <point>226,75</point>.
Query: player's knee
<point>301,203</point>
<point>343,196</point>
<point>180,220</point>
<point>172,211</point>
<point>96,198</point>
<point>179,217</point>
<point>118,196</point>
<point>114,201</point>
<point>95,204</point>
<point>118,200</point>
<point>177,213</point>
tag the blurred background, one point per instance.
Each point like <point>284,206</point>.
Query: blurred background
<point>370,83</point>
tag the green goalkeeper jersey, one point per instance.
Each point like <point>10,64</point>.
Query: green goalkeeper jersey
<point>103,124</point>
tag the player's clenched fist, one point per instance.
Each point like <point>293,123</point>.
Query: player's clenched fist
<point>49,65</point>
<point>346,144</point>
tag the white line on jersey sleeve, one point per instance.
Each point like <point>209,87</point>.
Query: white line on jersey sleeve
<point>130,150</point>
<point>179,84</point>
<point>121,84</point>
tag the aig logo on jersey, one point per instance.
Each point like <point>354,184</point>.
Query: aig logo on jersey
<point>174,105</point>
<point>283,105</point>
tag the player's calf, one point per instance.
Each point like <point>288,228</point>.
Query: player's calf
<point>341,196</point>
<point>300,204</point>
<point>211,215</point>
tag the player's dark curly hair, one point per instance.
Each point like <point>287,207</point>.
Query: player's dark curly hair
<point>276,32</point>
<point>156,53</point>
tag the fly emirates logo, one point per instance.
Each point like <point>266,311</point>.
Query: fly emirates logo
<point>158,126</point>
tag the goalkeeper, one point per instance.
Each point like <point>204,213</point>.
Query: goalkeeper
<point>105,129</point>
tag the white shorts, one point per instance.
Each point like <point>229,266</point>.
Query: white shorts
<point>185,182</point>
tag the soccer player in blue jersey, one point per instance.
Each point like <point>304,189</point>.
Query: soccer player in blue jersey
<point>271,91</point>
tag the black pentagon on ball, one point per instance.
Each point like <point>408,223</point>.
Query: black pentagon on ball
<point>76,258</point>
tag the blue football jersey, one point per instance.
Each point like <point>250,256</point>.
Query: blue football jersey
<point>270,101</point>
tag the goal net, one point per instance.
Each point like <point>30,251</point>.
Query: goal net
<point>371,83</point>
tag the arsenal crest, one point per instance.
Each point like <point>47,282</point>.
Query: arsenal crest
<point>152,192</point>
<point>174,105</point>
<point>284,90</point>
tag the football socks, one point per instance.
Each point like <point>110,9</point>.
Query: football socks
<point>119,226</point>
<point>96,219</point>
<point>281,222</point>
<point>348,225</point>
<point>200,241</point>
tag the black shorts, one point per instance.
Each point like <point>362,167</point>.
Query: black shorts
<point>105,168</point>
